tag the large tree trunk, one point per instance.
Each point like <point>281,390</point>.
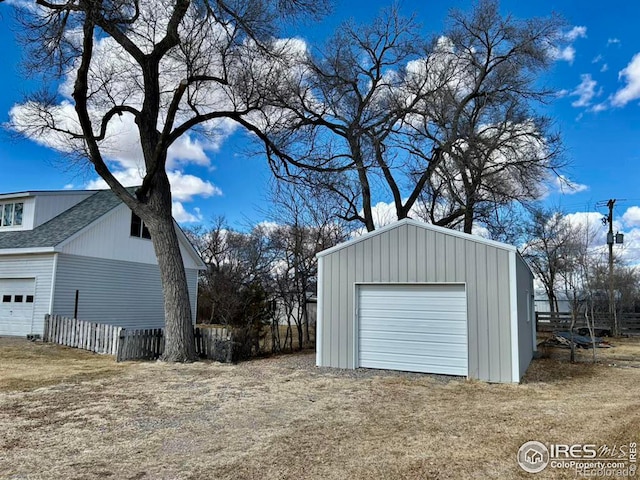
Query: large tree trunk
<point>468,218</point>
<point>179,336</point>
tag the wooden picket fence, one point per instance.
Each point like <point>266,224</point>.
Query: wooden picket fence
<point>128,344</point>
<point>147,344</point>
<point>95,337</point>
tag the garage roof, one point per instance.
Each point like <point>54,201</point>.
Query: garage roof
<point>426,226</point>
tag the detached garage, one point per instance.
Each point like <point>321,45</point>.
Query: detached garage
<point>415,297</point>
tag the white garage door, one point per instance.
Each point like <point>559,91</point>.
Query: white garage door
<point>16,306</point>
<point>414,328</point>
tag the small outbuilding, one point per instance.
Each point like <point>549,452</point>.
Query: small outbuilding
<point>415,297</point>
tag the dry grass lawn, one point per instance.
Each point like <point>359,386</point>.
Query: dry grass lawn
<point>66,414</point>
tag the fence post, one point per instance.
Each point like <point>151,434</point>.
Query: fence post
<point>45,332</point>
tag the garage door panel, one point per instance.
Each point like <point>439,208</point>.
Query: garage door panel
<point>446,348</point>
<point>412,367</point>
<point>435,304</point>
<point>369,337</point>
<point>421,328</point>
<point>421,361</point>
<point>419,314</point>
<point>413,325</point>
<point>436,354</point>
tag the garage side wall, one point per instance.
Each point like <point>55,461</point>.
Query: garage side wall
<point>526,321</point>
<point>38,267</point>
<point>410,253</point>
<point>125,294</point>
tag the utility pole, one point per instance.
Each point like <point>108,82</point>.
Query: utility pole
<point>613,319</point>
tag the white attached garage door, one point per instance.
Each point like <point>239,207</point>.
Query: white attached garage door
<point>414,328</point>
<point>16,306</point>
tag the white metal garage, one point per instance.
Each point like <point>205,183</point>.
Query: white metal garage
<point>16,306</point>
<point>413,327</point>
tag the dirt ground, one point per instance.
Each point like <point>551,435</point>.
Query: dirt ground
<point>68,414</point>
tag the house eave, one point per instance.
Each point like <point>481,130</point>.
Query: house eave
<point>26,251</point>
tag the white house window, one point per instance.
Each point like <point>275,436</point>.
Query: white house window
<point>138,228</point>
<point>11,214</point>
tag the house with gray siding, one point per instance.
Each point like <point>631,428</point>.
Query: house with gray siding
<point>415,297</point>
<point>81,253</point>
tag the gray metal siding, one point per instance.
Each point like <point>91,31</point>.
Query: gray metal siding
<point>526,321</point>
<point>411,253</point>
<point>38,267</point>
<point>125,294</point>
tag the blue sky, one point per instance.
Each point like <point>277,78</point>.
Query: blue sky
<point>597,112</point>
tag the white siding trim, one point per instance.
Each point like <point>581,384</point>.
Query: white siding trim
<point>356,325</point>
<point>53,282</point>
<point>532,315</point>
<point>513,301</point>
<point>425,226</point>
<point>26,251</point>
<point>319,312</point>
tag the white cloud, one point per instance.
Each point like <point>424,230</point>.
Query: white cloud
<point>567,54</point>
<point>568,187</point>
<point>599,107</point>
<point>562,93</point>
<point>631,75</point>
<point>69,186</point>
<point>576,32</point>
<point>613,41</point>
<point>563,49</point>
<point>631,217</point>
<point>597,59</point>
<point>184,187</point>
<point>591,224</point>
<point>182,216</point>
<point>604,68</point>
<point>585,91</point>
<point>596,233</point>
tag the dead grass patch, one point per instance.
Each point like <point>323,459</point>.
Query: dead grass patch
<point>283,418</point>
<point>29,365</point>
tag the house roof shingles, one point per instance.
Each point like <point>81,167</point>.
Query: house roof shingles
<point>58,229</point>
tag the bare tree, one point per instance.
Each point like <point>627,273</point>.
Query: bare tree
<point>306,225</point>
<point>380,113</point>
<point>551,241</point>
<point>496,148</point>
<point>236,289</point>
<point>173,66</point>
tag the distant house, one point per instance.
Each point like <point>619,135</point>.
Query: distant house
<point>542,302</point>
<point>80,253</point>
